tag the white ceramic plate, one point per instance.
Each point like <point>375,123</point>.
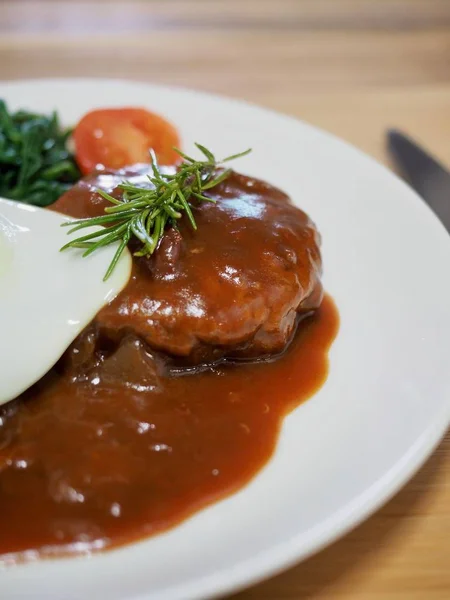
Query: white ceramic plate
<point>386,402</point>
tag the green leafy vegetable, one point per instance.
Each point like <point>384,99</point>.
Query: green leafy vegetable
<point>35,165</point>
<point>144,213</point>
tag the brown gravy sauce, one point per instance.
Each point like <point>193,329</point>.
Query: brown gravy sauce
<point>83,468</point>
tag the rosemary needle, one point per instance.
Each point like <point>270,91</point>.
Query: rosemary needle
<point>144,213</point>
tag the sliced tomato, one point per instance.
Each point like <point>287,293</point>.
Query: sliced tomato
<point>117,137</point>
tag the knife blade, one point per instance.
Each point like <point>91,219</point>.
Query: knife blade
<point>426,175</point>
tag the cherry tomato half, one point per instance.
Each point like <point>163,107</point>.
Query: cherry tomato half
<point>117,137</point>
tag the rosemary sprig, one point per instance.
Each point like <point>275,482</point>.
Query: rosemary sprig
<point>145,213</point>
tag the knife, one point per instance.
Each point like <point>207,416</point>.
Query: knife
<point>424,173</point>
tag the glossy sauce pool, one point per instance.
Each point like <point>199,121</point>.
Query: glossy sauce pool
<point>84,468</point>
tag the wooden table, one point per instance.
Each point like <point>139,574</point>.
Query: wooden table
<point>354,67</point>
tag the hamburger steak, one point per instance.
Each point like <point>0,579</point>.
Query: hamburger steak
<point>234,288</point>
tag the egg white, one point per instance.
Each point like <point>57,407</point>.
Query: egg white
<point>47,297</point>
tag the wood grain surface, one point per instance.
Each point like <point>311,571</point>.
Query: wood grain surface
<point>353,67</point>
